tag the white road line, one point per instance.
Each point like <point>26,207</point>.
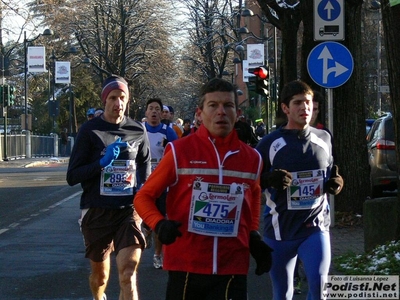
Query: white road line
<point>13,225</point>
<point>3,230</point>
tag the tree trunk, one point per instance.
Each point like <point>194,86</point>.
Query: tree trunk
<point>391,28</point>
<point>348,109</point>
<point>349,121</point>
<point>290,21</point>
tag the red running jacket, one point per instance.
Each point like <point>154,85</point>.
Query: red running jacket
<point>199,157</point>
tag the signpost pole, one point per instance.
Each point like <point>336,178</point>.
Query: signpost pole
<point>330,109</point>
<point>330,127</point>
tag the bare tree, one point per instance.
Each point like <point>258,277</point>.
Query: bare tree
<point>128,38</point>
<point>214,33</point>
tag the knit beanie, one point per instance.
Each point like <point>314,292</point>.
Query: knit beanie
<point>114,82</point>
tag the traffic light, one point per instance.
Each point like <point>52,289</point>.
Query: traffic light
<point>11,96</point>
<point>2,96</point>
<point>7,95</point>
<point>262,77</point>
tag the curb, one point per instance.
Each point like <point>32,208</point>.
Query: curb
<point>35,162</point>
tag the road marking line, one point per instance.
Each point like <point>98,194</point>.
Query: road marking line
<point>3,230</point>
<point>13,225</point>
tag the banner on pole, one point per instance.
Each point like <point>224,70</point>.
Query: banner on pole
<point>36,57</point>
<point>63,72</point>
<point>255,55</point>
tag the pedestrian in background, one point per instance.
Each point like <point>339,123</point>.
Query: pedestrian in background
<point>98,112</point>
<point>244,130</point>
<point>186,127</point>
<point>298,173</point>
<point>109,152</point>
<point>260,128</point>
<point>168,116</point>
<point>213,204</point>
<point>90,113</point>
<point>159,135</point>
<point>64,142</point>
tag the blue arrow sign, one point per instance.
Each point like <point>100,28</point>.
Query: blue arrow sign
<point>329,10</point>
<point>330,64</point>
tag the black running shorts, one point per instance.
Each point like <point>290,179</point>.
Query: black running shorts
<point>183,285</point>
<point>105,230</point>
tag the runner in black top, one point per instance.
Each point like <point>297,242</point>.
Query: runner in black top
<point>109,152</point>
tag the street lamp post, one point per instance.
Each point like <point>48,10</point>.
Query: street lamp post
<point>47,32</point>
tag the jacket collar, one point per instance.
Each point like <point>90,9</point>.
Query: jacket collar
<point>230,142</point>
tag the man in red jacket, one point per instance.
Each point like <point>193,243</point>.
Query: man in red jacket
<point>213,204</point>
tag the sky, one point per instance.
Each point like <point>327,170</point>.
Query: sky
<point>14,21</point>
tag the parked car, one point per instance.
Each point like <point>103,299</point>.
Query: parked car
<point>382,155</point>
<point>368,124</point>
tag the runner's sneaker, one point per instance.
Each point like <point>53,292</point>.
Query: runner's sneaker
<point>297,285</point>
<point>157,261</point>
<point>104,297</point>
<point>148,236</point>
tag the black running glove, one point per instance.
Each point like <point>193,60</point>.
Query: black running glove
<point>165,142</point>
<point>278,179</point>
<point>167,231</point>
<point>261,252</point>
<point>334,184</point>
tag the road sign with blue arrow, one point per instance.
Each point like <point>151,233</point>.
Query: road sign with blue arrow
<point>328,20</point>
<point>330,64</point>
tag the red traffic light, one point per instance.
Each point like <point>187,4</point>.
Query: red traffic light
<point>261,72</point>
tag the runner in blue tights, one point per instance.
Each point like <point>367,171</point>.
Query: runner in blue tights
<point>297,175</point>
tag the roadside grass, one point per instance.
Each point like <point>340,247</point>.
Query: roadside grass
<point>383,260</point>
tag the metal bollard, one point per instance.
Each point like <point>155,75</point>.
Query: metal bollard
<point>28,149</point>
<point>55,143</point>
<point>71,140</point>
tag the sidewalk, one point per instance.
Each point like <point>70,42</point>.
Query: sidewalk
<point>347,236</point>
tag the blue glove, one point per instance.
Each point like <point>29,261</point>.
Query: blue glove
<point>112,152</point>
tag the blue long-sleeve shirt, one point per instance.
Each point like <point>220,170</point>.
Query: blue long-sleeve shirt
<point>302,208</point>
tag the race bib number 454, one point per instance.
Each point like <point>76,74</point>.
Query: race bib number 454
<point>215,209</point>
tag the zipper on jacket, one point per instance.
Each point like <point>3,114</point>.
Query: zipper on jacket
<point>220,181</point>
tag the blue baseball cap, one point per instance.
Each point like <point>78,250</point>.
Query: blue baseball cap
<point>90,111</point>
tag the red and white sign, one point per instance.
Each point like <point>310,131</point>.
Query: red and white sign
<point>36,59</point>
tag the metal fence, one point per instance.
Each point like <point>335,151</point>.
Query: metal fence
<point>13,146</point>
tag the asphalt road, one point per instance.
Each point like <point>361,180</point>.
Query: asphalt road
<point>41,247</point>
